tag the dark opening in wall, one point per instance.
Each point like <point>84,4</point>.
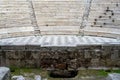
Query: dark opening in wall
<point>63,73</point>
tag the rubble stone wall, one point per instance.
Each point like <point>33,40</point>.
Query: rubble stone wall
<point>61,57</point>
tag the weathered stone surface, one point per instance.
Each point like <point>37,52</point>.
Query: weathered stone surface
<point>113,76</point>
<point>35,17</point>
<point>63,57</point>
<point>20,77</point>
<point>4,73</point>
<point>104,17</point>
<point>38,77</point>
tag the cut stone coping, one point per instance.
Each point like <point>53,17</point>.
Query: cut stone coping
<point>59,40</point>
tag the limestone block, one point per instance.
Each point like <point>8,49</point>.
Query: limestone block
<point>20,77</point>
<point>113,76</point>
<point>4,73</point>
<point>37,77</point>
<point>20,34</point>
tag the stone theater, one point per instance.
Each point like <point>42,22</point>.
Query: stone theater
<point>60,34</point>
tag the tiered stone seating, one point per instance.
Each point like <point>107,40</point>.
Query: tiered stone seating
<point>23,18</point>
<point>15,18</point>
<point>104,32</point>
<point>59,17</point>
<point>104,18</point>
<point>109,19</point>
<point>108,16</point>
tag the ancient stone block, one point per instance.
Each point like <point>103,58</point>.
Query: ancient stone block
<point>38,77</point>
<point>4,73</point>
<point>113,76</point>
<point>20,77</point>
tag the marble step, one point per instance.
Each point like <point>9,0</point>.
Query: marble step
<point>112,27</point>
<point>106,26</point>
<point>59,11</point>
<point>60,23</point>
<point>116,22</point>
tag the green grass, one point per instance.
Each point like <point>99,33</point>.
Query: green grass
<point>116,71</point>
<point>102,73</point>
<point>45,73</point>
<point>19,71</point>
<point>92,73</point>
<point>105,73</point>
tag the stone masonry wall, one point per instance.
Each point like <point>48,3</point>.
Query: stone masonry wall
<point>62,57</point>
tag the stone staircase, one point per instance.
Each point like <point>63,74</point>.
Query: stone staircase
<point>59,17</point>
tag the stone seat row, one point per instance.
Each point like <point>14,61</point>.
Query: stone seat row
<point>109,18</point>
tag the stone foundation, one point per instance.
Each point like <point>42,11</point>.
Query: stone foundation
<point>60,57</point>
